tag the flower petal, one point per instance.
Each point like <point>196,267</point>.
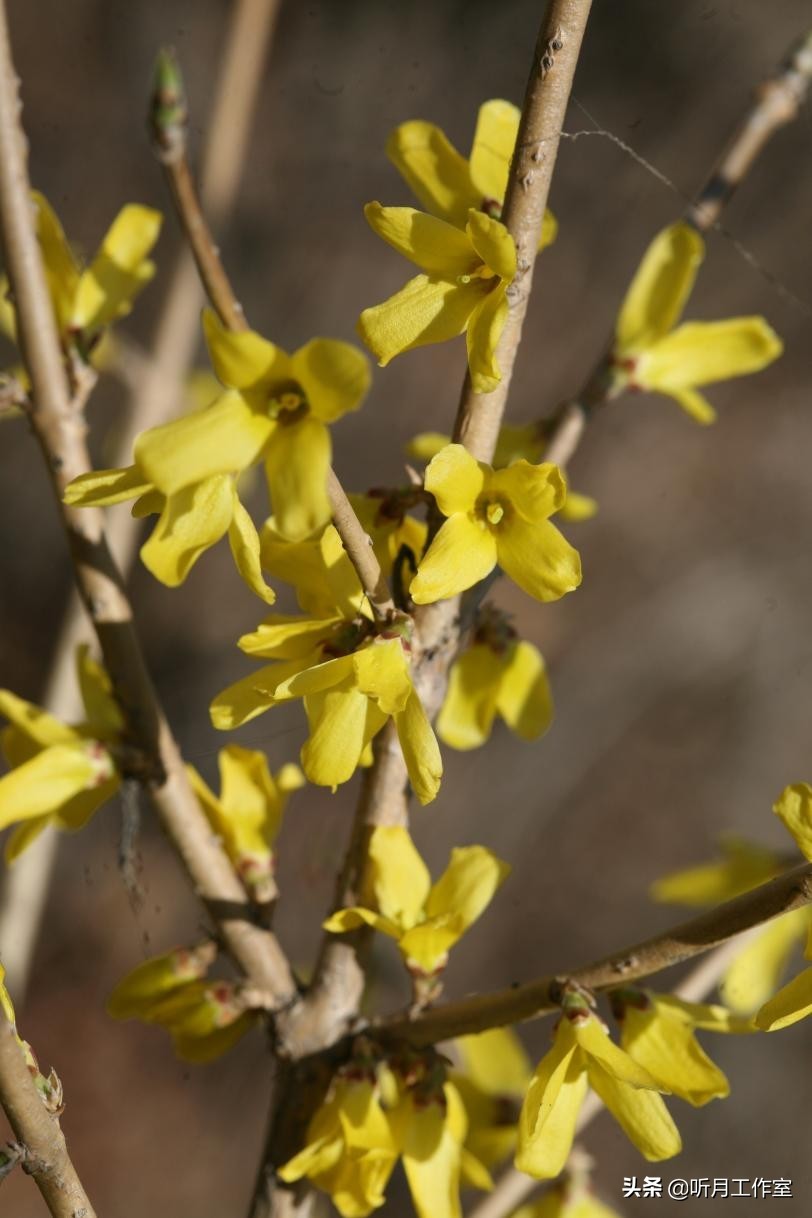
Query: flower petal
<point>599,1046</point>
<point>756,973</point>
<point>381,671</point>
<point>468,884</point>
<point>794,808</point>
<point>297,461</point>
<point>431,1159</point>
<point>344,920</point>
<point>103,714</point>
<point>226,437</point>
<point>462,553</point>
<point>101,487</point>
<point>425,947</point>
<point>496,1062</point>
<point>641,1114</point>
<point>455,479</point>
<point>61,268</point>
<point>551,1106</point>
<point>399,878</point>
<point>437,247</point>
<point>665,1045</point>
<point>425,311</point>
<point>537,557</point>
<point>483,333</point>
<point>119,270</point>
<point>245,699</point>
<point>36,725</point>
<point>790,1004</point>
<point>244,541</point>
<point>46,782</point>
<point>242,359</point>
<point>744,866</point>
<point>342,721</point>
<point>524,699</point>
<point>536,491</point>
<point>420,749</point>
<point>695,405</point>
<point>701,352</point>
<point>466,717</point>
<point>193,519</point>
<point>661,285</point>
<point>493,243</point>
<point>335,377</point>
<point>433,169</point>
<point>492,148</point>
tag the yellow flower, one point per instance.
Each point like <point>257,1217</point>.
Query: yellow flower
<point>350,1150</point>
<point>583,1055</point>
<point>59,774</point>
<point>758,968</point>
<point>275,410</point>
<point>499,674</point>
<point>204,1019</point>
<point>248,813</point>
<point>445,183</point>
<point>514,444</point>
<point>649,353</point>
<point>352,679</point>
<point>87,300</point>
<point>657,1031</point>
<point>493,1077</point>
<point>495,517</point>
<point>425,919</point>
<point>429,1127</point>
<point>5,1000</point>
<point>462,287</point>
<point>794,1001</point>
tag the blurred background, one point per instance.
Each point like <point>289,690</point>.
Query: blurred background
<point>682,669</point>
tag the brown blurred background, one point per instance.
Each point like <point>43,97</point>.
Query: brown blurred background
<point>682,669</point>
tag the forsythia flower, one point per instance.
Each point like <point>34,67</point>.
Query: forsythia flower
<point>248,812</point>
<point>59,774</point>
<point>758,968</point>
<point>794,1001</point>
<point>462,287</point>
<point>583,1055</point>
<point>524,442</point>
<point>657,1031</point>
<point>493,1077</point>
<point>350,1151</point>
<point>498,675</point>
<point>85,301</point>
<point>352,680</point>
<point>445,183</point>
<point>648,353</point>
<point>495,516</point>
<point>275,410</point>
<point>425,919</point>
<point>204,1019</point>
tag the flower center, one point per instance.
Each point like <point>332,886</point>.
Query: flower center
<point>491,510</point>
<point>483,271</point>
<point>287,403</point>
<point>346,638</point>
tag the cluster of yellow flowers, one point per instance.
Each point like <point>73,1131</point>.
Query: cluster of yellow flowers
<point>354,673</point>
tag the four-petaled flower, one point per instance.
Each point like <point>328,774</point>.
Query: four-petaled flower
<point>499,674</point>
<point>584,1056</point>
<point>248,813</point>
<point>87,300</point>
<point>59,774</point>
<point>495,516</point>
<point>462,287</point>
<point>425,919</point>
<point>648,353</point>
<point>447,184</point>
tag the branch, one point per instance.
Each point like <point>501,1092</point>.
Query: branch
<point>789,891</point>
<point>60,431</point>
<point>169,119</point>
<point>45,1154</point>
<point>513,1186</point>
<point>156,386</point>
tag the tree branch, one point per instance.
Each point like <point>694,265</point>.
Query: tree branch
<point>789,891</point>
<point>156,386</point>
<point>60,431</point>
<point>45,1154</point>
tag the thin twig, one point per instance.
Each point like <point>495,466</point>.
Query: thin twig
<point>789,891</point>
<point>156,384</point>
<point>169,141</point>
<point>514,1187</point>
<point>44,1154</point>
<point>60,432</point>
